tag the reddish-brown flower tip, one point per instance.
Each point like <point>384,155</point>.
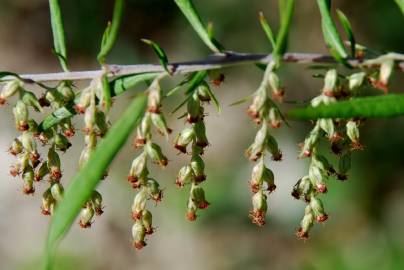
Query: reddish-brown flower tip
<point>302,234</point>
<point>139,244</point>
<point>43,102</point>
<point>181,148</point>
<point>85,225</point>
<point>149,230</point>
<point>202,144</point>
<point>191,216</point>
<point>2,101</point>
<point>328,93</point>
<point>28,190</point>
<point>12,151</point>
<point>218,80</point>
<point>55,174</point>
<point>336,137</point>
<point>136,215</point>
<point>254,114</point>
<point>278,95</point>
<point>322,218</point>
<point>192,119</point>
<point>34,156</point>
<point>275,124</point>
<point>257,217</point>
<point>203,205</point>
<point>157,197</point>
<point>296,194</point>
<point>153,109</point>
<point>200,178</point>
<point>132,179</point>
<point>179,183</point>
<point>45,212</point>
<point>255,187</point>
<point>322,188</point>
<point>379,85</point>
<point>80,109</point>
<point>356,146</point>
<point>14,171</point>
<point>22,126</point>
<point>342,177</point>
<point>139,142</point>
<point>271,188</point>
<point>277,156</point>
<point>69,132</point>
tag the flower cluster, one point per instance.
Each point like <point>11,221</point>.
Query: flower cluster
<point>194,137</point>
<point>264,112</point>
<point>148,188</point>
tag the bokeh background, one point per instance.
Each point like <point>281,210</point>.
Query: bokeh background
<point>365,228</point>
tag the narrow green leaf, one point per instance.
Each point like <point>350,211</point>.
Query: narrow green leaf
<point>85,181</point>
<point>368,107</point>
<point>348,31</point>
<point>241,101</point>
<point>196,80</point>
<point>160,54</point>
<point>58,33</point>
<point>267,29</point>
<point>124,83</point>
<point>188,9</point>
<point>56,117</point>
<point>330,33</point>
<point>111,32</point>
<point>215,100</point>
<point>286,18</point>
<point>106,93</point>
<point>400,3</point>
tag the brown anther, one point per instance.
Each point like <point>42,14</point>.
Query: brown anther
<point>139,142</point>
<point>218,80</point>
<point>203,205</point>
<point>98,211</point>
<point>179,183</point>
<point>157,197</point>
<point>55,174</point>
<point>28,190</point>
<point>85,225</point>
<point>153,109</point>
<point>255,187</point>
<point>136,215</point>
<point>45,212</point>
<point>379,85</point>
<point>69,132</point>
<point>14,171</point>
<point>277,156</point>
<point>278,94</point>
<point>22,126</point>
<point>192,120</point>
<point>302,234</point>
<point>322,218</point>
<point>202,144</point>
<point>296,194</point>
<point>2,101</point>
<point>200,178</point>
<point>149,230</point>
<point>342,177</point>
<point>132,179</point>
<point>275,124</point>
<point>139,244</point>
<point>322,188</point>
<point>79,109</point>
<point>181,148</point>
<point>271,188</point>
<point>43,102</point>
<point>191,216</point>
<point>356,146</point>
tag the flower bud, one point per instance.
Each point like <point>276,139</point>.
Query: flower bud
<point>31,100</point>
<point>327,125</point>
<point>96,199</point>
<point>198,197</point>
<point>139,203</point>
<point>352,130</point>
<point>138,170</point>
<point>57,191</point>
<point>160,123</point>
<point>356,80</point>
<point>89,118</point>
<point>317,178</point>
<point>155,153</point>
<point>41,172</point>
<point>67,128</point>
<point>185,176</point>
<point>277,90</point>
<point>203,92</point>
<point>322,163</point>
<point>54,165</point>
<point>102,123</point>
<point>258,103</point>
<point>198,167</point>
<point>200,134</point>
<point>256,150</point>
<point>138,234</point>
<point>306,224</point>
<point>16,147</point>
<point>154,189</point>
<point>154,99</point>
<point>143,131</point>
<point>28,142</point>
<point>216,77</point>
<point>183,139</point>
<point>330,82</point>
<point>28,178</point>
<point>318,209</point>
<point>61,142</point>
<point>84,99</point>
<point>386,69</point>
<point>191,210</point>
<point>65,89</point>
<point>47,203</point>
<point>344,165</point>
<point>259,202</point>
<point>9,90</point>
<point>21,164</point>
<point>274,118</point>
<point>21,116</point>
<point>273,148</point>
<point>147,221</point>
<point>194,109</point>
<point>86,216</point>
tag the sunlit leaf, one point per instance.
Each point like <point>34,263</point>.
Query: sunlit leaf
<point>267,29</point>
<point>58,31</point>
<point>348,30</point>
<point>160,54</point>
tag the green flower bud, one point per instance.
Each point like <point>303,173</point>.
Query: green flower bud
<point>274,118</point>
<point>303,188</point>
<point>200,134</point>
<point>28,142</point>
<point>318,209</point>
<point>356,80</point>
<point>21,164</point>
<point>9,90</point>
<point>258,104</point>
<point>86,215</point>
<point>273,148</point>
<point>154,99</point>
<point>138,234</point>
<point>89,118</point>
<point>386,69</point>
<point>57,191</point>
<point>257,176</point>
<point>61,142</point>
<point>143,131</point>
<point>84,100</point>
<point>184,138</point>
<point>147,221</point>
<point>54,165</point>
<point>31,100</point>
<point>256,150</point>
<point>259,202</point>
<point>198,168</point>
<point>185,176</point>
<point>96,199</point>
<point>138,169</point>
<point>306,224</point>
<point>198,197</point>
<point>155,153</point>
<point>101,122</point>
<point>191,210</point>
<point>160,123</point>
<point>194,108</point>
<point>65,89</point>
<point>20,112</point>
<point>317,177</point>
<point>16,147</point>
<point>139,203</point>
<point>41,172</point>
<point>48,203</point>
<point>154,190</point>
<point>328,126</point>
<point>277,90</point>
<point>310,141</point>
<point>352,130</point>
<point>344,165</point>
<point>28,178</point>
<point>203,92</point>
<point>330,82</point>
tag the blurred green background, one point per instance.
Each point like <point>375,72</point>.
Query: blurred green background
<point>365,229</point>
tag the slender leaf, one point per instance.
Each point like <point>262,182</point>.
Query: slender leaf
<point>330,33</point>
<point>58,31</point>
<point>160,54</point>
<point>267,29</point>
<point>368,107</point>
<point>56,117</point>
<point>196,81</point>
<point>84,182</point>
<point>215,100</point>
<point>400,3</point>
<point>188,9</point>
<point>124,83</point>
<point>282,36</point>
<point>348,30</point>
<point>111,32</point>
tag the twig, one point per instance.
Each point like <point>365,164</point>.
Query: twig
<point>212,62</point>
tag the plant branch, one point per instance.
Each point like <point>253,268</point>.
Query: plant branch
<point>212,62</point>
